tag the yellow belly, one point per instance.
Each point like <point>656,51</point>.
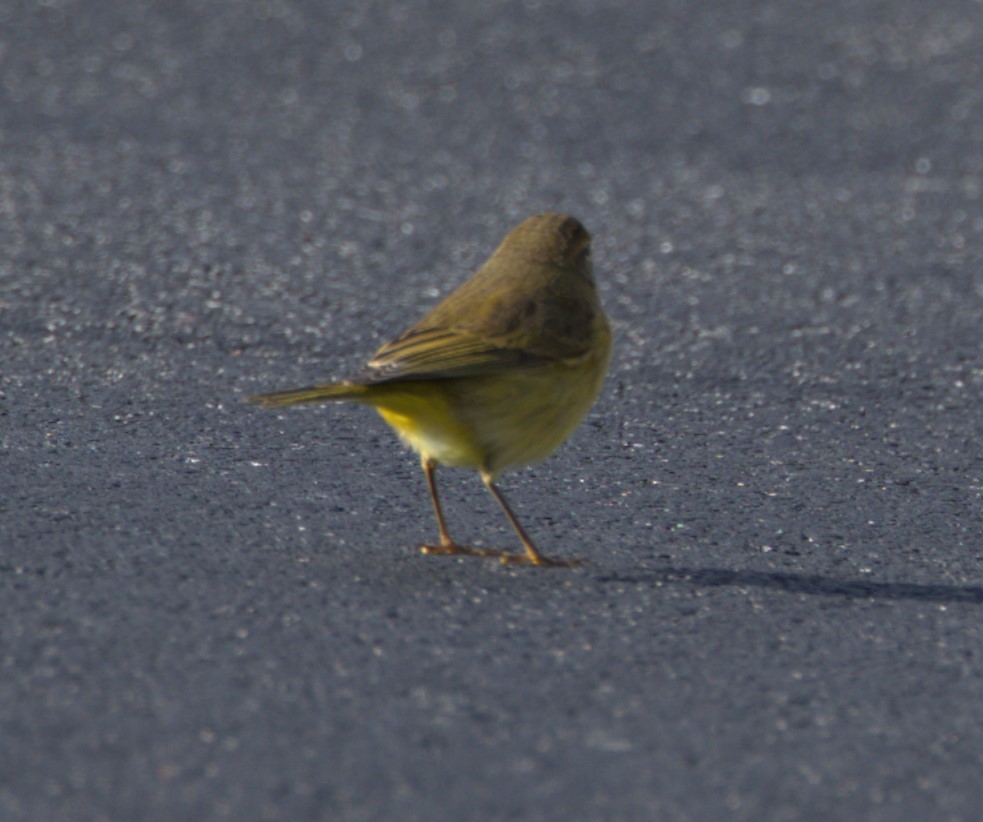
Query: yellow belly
<point>522,418</point>
<point>422,415</point>
<point>493,422</point>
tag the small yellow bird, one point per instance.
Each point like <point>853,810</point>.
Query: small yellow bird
<point>498,374</point>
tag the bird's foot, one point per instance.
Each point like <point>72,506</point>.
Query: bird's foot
<point>505,557</point>
<point>449,548</point>
<point>540,561</point>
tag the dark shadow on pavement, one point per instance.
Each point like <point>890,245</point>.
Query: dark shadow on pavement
<point>812,584</point>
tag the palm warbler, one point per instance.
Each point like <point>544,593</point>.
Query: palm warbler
<point>498,374</point>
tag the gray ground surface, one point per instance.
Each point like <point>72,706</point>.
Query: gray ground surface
<point>212,611</point>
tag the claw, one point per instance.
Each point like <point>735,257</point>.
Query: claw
<point>541,561</point>
<point>505,557</point>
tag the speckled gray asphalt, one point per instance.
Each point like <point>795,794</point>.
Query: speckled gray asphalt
<point>213,611</point>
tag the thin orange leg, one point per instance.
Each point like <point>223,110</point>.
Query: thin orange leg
<point>430,470</point>
<point>531,555</point>
<point>448,546</point>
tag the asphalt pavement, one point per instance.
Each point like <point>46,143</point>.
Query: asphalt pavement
<point>213,611</point>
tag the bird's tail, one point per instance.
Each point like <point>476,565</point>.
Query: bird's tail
<point>326,392</point>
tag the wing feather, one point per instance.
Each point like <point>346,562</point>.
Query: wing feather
<point>442,353</point>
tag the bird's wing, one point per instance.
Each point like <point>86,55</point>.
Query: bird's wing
<point>441,353</point>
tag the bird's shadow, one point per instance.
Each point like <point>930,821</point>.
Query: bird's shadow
<point>812,584</point>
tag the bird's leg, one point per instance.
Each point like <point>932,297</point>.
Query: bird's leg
<point>446,545</point>
<point>531,555</point>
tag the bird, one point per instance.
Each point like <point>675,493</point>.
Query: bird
<point>497,375</point>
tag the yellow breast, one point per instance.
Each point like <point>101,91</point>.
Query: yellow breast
<point>496,421</point>
<point>424,418</point>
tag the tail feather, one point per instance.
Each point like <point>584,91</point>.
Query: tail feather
<point>326,392</point>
